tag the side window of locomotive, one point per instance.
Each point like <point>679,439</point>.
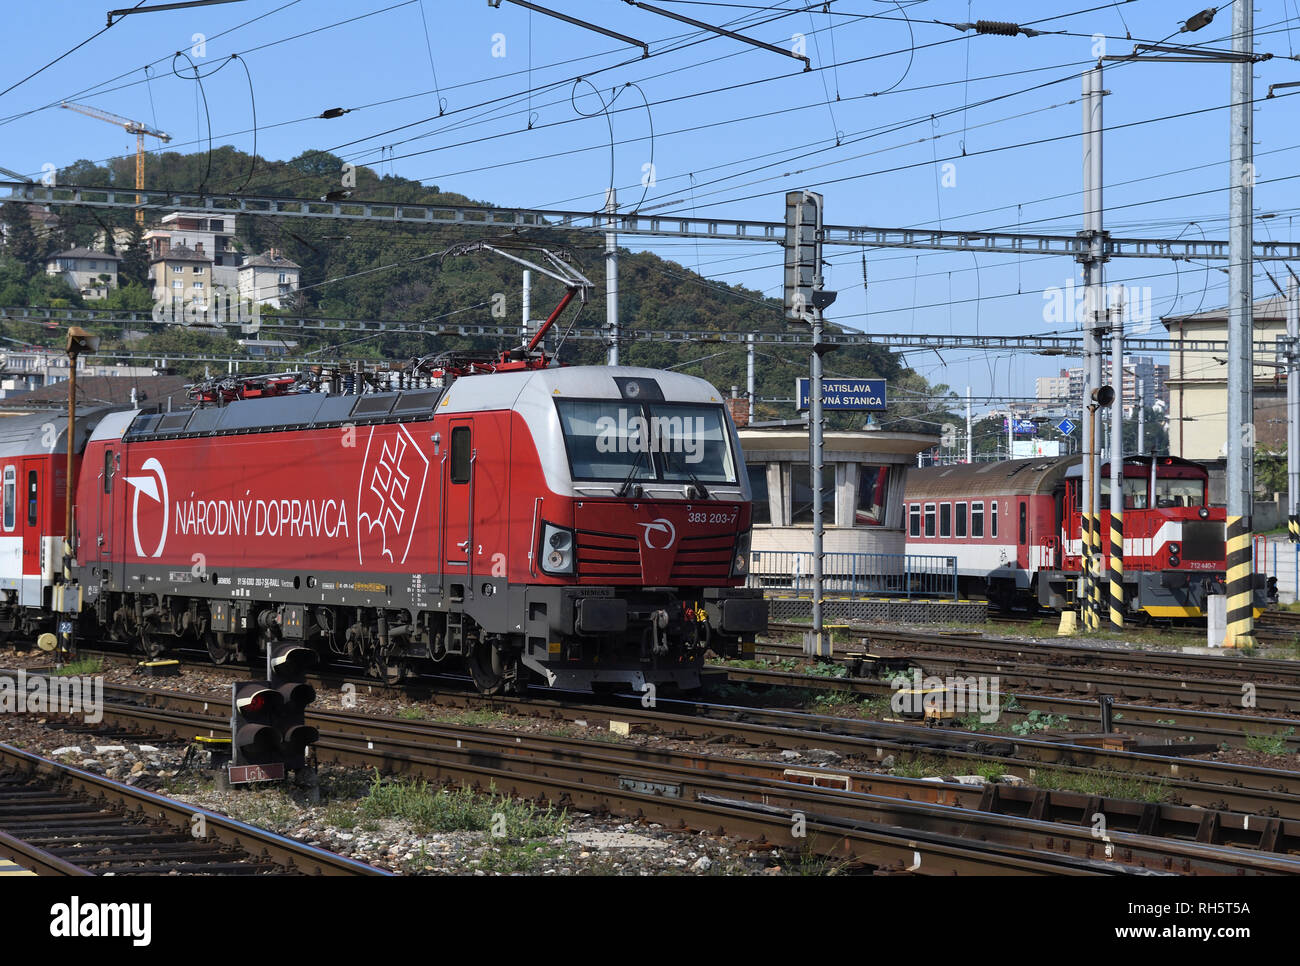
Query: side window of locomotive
<point>914,520</point>
<point>460,454</point>
<point>929,519</point>
<point>10,496</point>
<point>33,492</point>
<point>108,471</point>
<point>945,520</point>
<point>960,530</point>
<point>977,519</point>
<point>993,524</point>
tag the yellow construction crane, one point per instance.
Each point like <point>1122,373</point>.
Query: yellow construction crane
<point>134,127</point>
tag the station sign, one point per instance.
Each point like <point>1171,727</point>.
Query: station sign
<point>860,395</point>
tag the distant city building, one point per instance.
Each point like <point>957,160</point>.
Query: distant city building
<point>269,279</point>
<point>1154,377</point>
<point>1053,389</point>
<point>89,272</point>
<point>1198,384</point>
<point>26,370</point>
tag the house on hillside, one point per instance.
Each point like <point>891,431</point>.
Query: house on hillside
<point>90,272</point>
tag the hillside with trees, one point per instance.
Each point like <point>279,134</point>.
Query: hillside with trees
<point>394,272</point>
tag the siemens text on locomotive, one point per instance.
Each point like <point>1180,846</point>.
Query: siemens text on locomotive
<point>572,526</point>
<point>1016,529</point>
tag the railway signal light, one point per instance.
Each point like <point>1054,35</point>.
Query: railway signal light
<point>254,739</point>
<point>268,728</point>
<point>287,664</point>
<point>290,661</point>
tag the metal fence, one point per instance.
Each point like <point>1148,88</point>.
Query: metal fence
<point>857,574</point>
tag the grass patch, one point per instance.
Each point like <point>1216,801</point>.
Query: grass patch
<point>412,713</point>
<point>87,665</point>
<point>1269,744</point>
<point>831,700</point>
<point>1105,784</point>
<point>990,771</point>
<point>471,717</point>
<point>341,816</point>
<point>430,809</point>
<point>507,858</point>
<point>923,766</point>
<point>263,807</point>
<point>1037,721</point>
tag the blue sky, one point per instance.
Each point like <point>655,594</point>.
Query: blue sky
<point>734,127</point>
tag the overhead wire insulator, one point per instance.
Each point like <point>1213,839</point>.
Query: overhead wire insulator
<point>1000,27</point>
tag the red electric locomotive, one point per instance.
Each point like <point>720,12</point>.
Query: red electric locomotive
<point>581,526</point>
<point>1015,528</point>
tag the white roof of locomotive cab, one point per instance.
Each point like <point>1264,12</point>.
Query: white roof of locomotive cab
<point>532,393</point>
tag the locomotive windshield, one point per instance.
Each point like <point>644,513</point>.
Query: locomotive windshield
<point>612,439</point>
<point>1180,492</point>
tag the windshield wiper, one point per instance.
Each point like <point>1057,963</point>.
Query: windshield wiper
<point>704,494</point>
<point>622,490</point>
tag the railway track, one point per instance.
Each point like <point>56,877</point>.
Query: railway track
<point>889,823</point>
<point>1012,651</point>
<point>1191,781</point>
<point>1171,726</point>
<point>60,820</point>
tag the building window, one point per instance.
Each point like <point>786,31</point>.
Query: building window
<point>198,285</point>
<point>993,526</point>
<point>758,489</point>
<point>284,278</point>
<point>960,529</point>
<point>198,269</point>
<point>178,284</point>
<point>10,496</point>
<point>178,269</point>
<point>977,519</point>
<point>873,488</point>
<point>945,520</point>
<point>801,492</point>
<point>929,519</point>
<point>914,520</point>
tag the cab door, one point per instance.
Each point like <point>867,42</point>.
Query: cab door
<point>105,548</point>
<point>458,500</point>
<point>32,512</point>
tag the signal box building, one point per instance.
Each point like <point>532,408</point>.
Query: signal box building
<point>864,475</point>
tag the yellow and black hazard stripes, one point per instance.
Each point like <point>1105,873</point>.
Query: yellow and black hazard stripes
<point>1293,528</point>
<point>1098,584</point>
<point>1116,569</point>
<point>1085,599</point>
<point>1241,605</point>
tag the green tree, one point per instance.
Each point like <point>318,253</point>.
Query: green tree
<point>1270,470</point>
<point>134,267</point>
<point>21,243</point>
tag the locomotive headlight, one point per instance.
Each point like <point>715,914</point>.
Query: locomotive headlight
<point>1173,560</point>
<point>557,549</point>
<point>1175,550</point>
<point>740,561</point>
